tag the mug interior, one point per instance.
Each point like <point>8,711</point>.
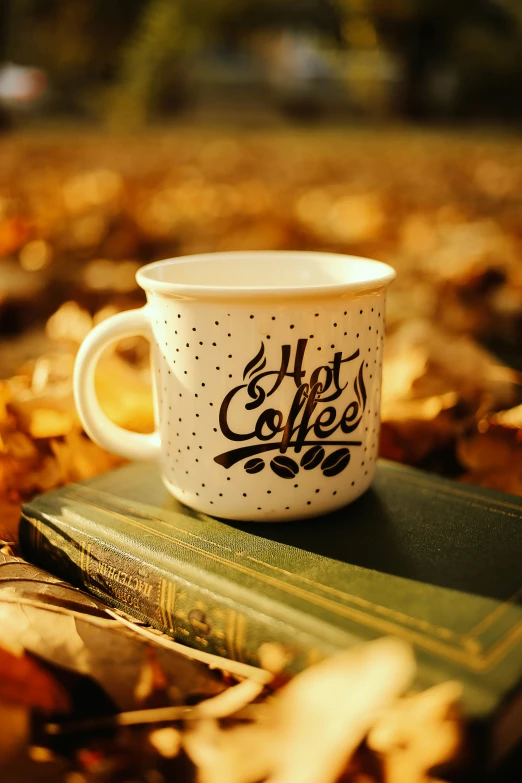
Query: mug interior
<point>255,273</point>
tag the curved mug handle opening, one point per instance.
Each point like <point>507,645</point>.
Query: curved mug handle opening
<point>97,425</point>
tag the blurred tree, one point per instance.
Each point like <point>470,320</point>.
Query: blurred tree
<point>135,46</point>
<point>475,40</point>
<point>75,41</point>
<point>167,31</point>
<point>488,50</point>
<point>121,58</point>
<point>163,31</point>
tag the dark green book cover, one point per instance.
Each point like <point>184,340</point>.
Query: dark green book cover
<point>429,560</point>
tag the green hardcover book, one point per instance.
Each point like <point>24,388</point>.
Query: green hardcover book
<point>429,560</point>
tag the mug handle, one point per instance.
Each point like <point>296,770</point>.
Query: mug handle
<point>99,428</point>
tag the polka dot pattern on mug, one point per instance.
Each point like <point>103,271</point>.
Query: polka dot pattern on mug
<point>228,380</point>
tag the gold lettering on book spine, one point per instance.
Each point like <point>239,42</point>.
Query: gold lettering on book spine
<point>235,634</point>
<point>81,558</point>
<point>171,594</point>
<point>85,561</point>
<point>133,583</point>
<point>162,602</point>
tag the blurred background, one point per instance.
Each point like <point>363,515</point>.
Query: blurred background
<point>140,130</point>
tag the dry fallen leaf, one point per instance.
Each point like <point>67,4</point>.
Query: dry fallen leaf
<point>337,700</point>
<point>418,733</point>
<point>70,629</point>
<point>423,360</point>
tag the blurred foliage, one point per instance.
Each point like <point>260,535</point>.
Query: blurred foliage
<point>167,32</point>
<point>122,59</point>
<point>76,42</point>
<point>164,31</point>
<point>477,42</point>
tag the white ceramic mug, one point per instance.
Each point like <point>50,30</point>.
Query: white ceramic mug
<point>267,373</point>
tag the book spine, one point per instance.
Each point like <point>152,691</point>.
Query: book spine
<point>188,612</point>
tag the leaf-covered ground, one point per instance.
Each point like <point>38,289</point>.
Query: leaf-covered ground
<point>79,212</point>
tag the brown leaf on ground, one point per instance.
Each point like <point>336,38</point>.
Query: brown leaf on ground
<point>429,361</point>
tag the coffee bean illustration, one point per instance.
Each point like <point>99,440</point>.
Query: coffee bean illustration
<point>254,465</point>
<point>312,458</point>
<point>336,462</point>
<point>284,467</point>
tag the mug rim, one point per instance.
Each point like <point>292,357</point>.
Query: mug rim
<point>382,275</point>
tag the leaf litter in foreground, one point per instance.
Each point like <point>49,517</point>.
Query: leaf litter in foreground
<point>141,710</point>
<point>105,667</point>
<point>74,633</point>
